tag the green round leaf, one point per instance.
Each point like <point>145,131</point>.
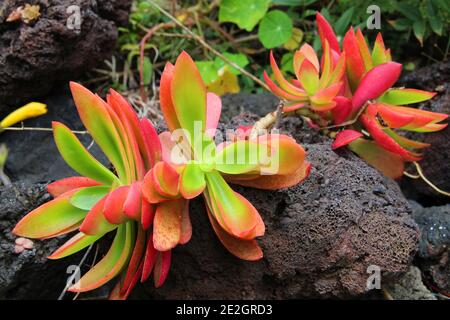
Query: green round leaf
<point>246,14</point>
<point>275,29</point>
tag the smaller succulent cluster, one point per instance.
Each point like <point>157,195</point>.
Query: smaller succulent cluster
<point>144,200</point>
<point>357,82</point>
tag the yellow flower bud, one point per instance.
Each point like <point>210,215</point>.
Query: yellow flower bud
<point>30,110</point>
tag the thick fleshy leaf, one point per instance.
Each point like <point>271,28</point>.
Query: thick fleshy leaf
<point>113,209</point>
<point>235,214</point>
<point>355,63</point>
<point>405,142</point>
<point>112,263</point>
<point>162,266</point>
<point>326,32</point>
<point>59,187</point>
<point>149,258</point>
<point>133,202</point>
<point>309,77</point>
<point>151,140</point>
<point>384,140</point>
<point>405,96</point>
<point>326,96</point>
<point>379,55</point>
<point>272,182</point>
<point>243,249</point>
<point>165,98</point>
<point>393,117</point>
<point>281,93</point>
<point>148,213</point>
<point>77,243</point>
<point>78,158</point>
<point>86,198</point>
<point>282,150</point>
<point>192,181</point>
<point>284,84</point>
<point>390,164</point>
<point>50,219</point>
<point>166,179</point>
<point>342,109</point>
<point>213,110</point>
<point>97,120</point>
<point>167,224</point>
<point>375,83</point>
<point>186,226</point>
<point>364,50</point>
<point>306,52</point>
<point>95,222</point>
<point>344,137</point>
<point>135,127</point>
<point>135,260</point>
<point>422,119</point>
<point>240,157</point>
<point>188,94</point>
<point>137,153</point>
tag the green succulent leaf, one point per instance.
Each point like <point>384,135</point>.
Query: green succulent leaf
<point>51,219</point>
<point>238,157</point>
<point>77,243</point>
<point>405,96</point>
<point>112,263</point>
<point>275,29</point>
<point>77,156</point>
<point>246,14</point>
<point>86,198</point>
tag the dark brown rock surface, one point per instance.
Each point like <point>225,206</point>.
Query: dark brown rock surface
<point>36,56</point>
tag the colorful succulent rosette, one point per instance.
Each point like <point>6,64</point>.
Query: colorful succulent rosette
<point>361,94</point>
<point>143,199</point>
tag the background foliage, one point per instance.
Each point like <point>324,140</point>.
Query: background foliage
<point>245,30</point>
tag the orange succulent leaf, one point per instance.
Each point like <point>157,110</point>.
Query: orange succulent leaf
<point>390,164</point>
<point>213,110</point>
<point>165,98</point>
<point>326,33</point>
<point>342,109</point>
<point>149,258</point>
<point>375,82</point>
<point>113,208</point>
<point>61,186</point>
<point>405,142</point>
<point>95,222</point>
<point>364,50</point>
<point>161,268</point>
<point>135,266</point>
<point>345,137</point>
<point>272,182</point>
<point>97,120</point>
<point>51,219</point>
<point>167,224</point>
<point>243,249</point>
<point>355,63</point>
<point>385,141</point>
<point>188,94</point>
<point>77,243</point>
<point>284,84</point>
<point>112,263</point>
<point>234,213</point>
